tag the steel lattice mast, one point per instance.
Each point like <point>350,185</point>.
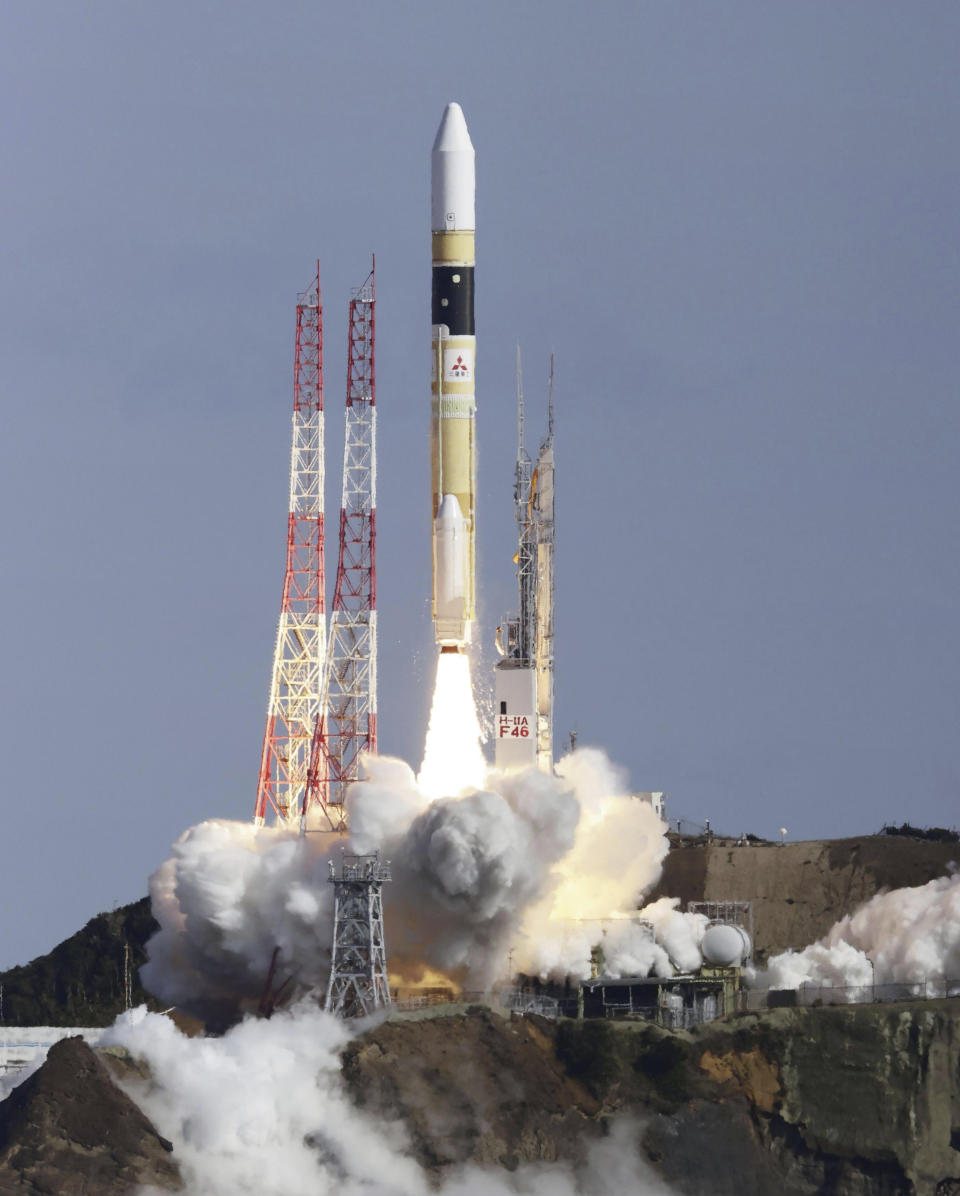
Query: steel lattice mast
<point>358,981</point>
<point>523,722</point>
<point>543,512</point>
<point>347,728</point>
<point>296,681</point>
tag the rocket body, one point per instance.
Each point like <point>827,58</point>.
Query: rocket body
<point>453,453</point>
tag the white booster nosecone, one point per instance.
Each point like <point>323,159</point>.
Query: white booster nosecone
<point>451,558</point>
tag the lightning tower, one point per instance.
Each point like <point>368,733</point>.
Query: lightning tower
<point>296,679</point>
<point>347,727</point>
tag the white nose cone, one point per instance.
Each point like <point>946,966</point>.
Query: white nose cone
<point>452,174</point>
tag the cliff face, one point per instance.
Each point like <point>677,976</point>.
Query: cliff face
<point>852,1101</point>
<point>798,890</point>
<point>845,1101</point>
<point>877,1083</point>
<point>849,1099</point>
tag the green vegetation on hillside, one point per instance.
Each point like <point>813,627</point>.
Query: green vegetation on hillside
<point>81,981</point>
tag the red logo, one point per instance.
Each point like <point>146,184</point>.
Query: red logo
<point>459,366</point>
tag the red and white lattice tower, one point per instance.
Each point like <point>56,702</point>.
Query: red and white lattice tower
<point>297,678</point>
<point>347,728</point>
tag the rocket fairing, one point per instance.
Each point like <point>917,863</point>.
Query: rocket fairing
<point>453,454</point>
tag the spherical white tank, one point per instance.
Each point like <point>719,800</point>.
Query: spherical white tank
<point>725,946</point>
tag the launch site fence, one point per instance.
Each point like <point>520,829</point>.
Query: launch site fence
<point>850,994</point>
<point>508,1000</point>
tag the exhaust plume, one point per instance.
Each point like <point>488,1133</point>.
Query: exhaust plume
<point>263,1111</point>
<point>905,936</point>
<point>530,863</point>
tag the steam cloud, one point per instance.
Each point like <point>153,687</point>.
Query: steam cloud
<point>538,867</point>
<point>263,1110</point>
<point>541,866</point>
<point>905,936</point>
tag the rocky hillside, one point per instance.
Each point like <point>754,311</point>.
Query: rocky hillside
<point>850,1101</point>
<point>81,981</point>
<point>799,890</point>
<point>69,1130</point>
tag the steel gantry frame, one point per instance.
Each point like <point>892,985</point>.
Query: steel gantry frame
<point>294,703</point>
<point>358,981</point>
<point>525,638</point>
<point>542,499</point>
<point>347,726</point>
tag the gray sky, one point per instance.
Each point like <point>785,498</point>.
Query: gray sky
<point>737,224</point>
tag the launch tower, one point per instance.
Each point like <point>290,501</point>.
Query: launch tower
<point>523,719</point>
<point>296,678</point>
<point>358,964</point>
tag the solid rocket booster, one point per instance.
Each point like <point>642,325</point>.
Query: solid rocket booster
<point>453,454</point>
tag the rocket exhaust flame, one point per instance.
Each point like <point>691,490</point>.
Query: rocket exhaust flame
<point>452,759</point>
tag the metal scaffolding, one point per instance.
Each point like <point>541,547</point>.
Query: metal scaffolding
<point>296,677</point>
<point>523,730</point>
<point>358,962</point>
<point>347,727</point>
<point>543,520</point>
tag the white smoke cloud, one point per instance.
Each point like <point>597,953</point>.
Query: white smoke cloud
<point>227,897</point>
<point>617,851</point>
<point>904,936</point>
<point>531,863</point>
<point>263,1110</point>
<point>467,867</point>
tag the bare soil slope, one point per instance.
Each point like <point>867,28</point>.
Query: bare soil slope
<point>68,1130</point>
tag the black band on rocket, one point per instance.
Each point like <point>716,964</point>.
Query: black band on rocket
<point>453,299</point>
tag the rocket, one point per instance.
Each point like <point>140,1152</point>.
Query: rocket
<point>453,452</point>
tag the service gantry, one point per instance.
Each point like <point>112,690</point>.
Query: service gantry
<point>523,719</point>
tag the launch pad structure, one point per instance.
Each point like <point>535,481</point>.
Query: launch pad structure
<point>358,964</point>
<point>523,697</point>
